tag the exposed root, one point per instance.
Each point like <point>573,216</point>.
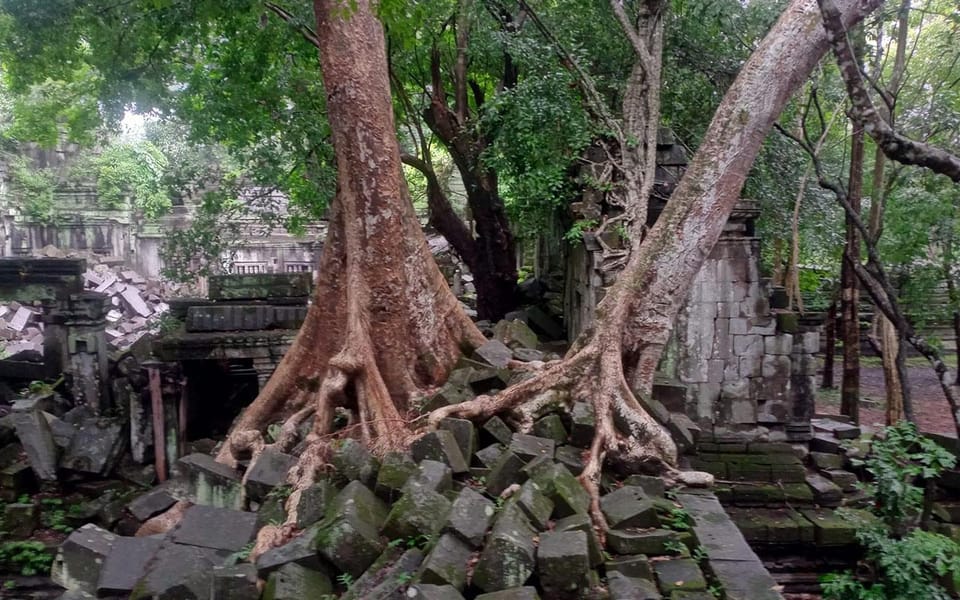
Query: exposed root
<point>626,434</point>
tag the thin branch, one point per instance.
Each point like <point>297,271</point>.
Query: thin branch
<point>306,31</point>
<point>894,145</point>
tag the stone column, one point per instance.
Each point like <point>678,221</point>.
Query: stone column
<point>74,337</point>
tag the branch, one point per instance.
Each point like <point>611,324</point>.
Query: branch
<point>595,102</point>
<point>308,33</point>
<point>895,146</point>
<point>442,216</point>
<point>638,46</point>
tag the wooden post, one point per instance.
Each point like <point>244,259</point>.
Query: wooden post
<point>159,443</point>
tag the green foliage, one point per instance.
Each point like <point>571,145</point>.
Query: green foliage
<point>897,461</point>
<point>132,171</point>
<point>36,189</point>
<point>416,541</point>
<point>679,520</point>
<point>29,558</point>
<point>574,235</point>
<point>908,561</point>
<point>53,515</point>
<point>346,580</point>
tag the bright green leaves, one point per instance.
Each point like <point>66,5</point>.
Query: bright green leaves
<point>132,171</point>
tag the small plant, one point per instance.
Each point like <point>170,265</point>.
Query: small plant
<point>907,561</point>
<point>30,558</point>
<point>345,579</point>
<point>9,584</point>
<point>674,546</point>
<point>404,578</point>
<point>241,555</point>
<point>699,554</point>
<point>678,519</point>
<point>716,591</point>
<point>414,541</point>
<point>281,492</point>
<point>575,234</point>
<point>53,516</point>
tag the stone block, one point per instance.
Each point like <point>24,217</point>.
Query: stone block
<point>563,489</point>
<point>314,502</point>
<point>825,443</point>
<point>465,434</point>
<point>747,345</point>
<point>562,562</point>
<point>583,425</point>
<point>497,430</point>
<point>350,535</point>
<point>529,447</point>
<point>447,563</point>
<point>582,523</point>
<point>629,507</point>
<point>395,470</point>
<point>845,480</point>
<point>825,492</point>
<point>36,437</point>
<point>216,528</point>
<point>267,472</point>
<point>535,504</point>
<point>571,457</point>
<point>518,593</point>
<point>515,334</point>
<point>178,573</point>
<point>494,353</point>
<point>622,587</point>
<point>811,342</point>
<point>679,574</point>
<point>237,582</point>
<point>426,591</point>
<point>433,475</point>
<point>831,530</point>
<point>96,447</point>
<point>212,483</point>
<point>488,456</point>
<point>299,550</point>
<point>507,559</point>
<point>504,473</point>
<point>20,519</point>
<point>420,511</point>
<point>386,576</point>
<point>630,566</point>
<point>826,460</point>
<point>469,517</point>
<point>550,427</point>
<point>79,560</point>
<point>440,445</point>
<point>451,392</point>
<point>654,487</point>
<point>352,461</point>
<point>294,582</point>
<point>126,564</point>
<point>629,541</point>
<point>787,322</point>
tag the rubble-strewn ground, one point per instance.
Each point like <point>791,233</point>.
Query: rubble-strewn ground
<point>138,303</point>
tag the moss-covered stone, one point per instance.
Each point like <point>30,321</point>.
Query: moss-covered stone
<point>421,511</point>
<point>679,574</point>
<point>635,541</point>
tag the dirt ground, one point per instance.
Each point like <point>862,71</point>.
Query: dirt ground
<point>930,405</point>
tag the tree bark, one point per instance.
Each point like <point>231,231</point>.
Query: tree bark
<point>850,294</point>
<point>826,381</point>
<point>383,325</point>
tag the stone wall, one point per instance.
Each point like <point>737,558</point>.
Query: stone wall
<point>736,366</point>
<point>747,367</point>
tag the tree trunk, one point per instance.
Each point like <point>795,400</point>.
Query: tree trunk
<point>850,295</point>
<point>383,325</point>
<point>635,318</point>
<point>826,381</point>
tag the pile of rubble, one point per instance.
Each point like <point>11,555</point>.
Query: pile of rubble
<point>137,304</point>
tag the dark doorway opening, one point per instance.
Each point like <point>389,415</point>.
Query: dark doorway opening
<point>217,390</point>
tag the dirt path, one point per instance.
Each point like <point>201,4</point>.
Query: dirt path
<point>930,405</point>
